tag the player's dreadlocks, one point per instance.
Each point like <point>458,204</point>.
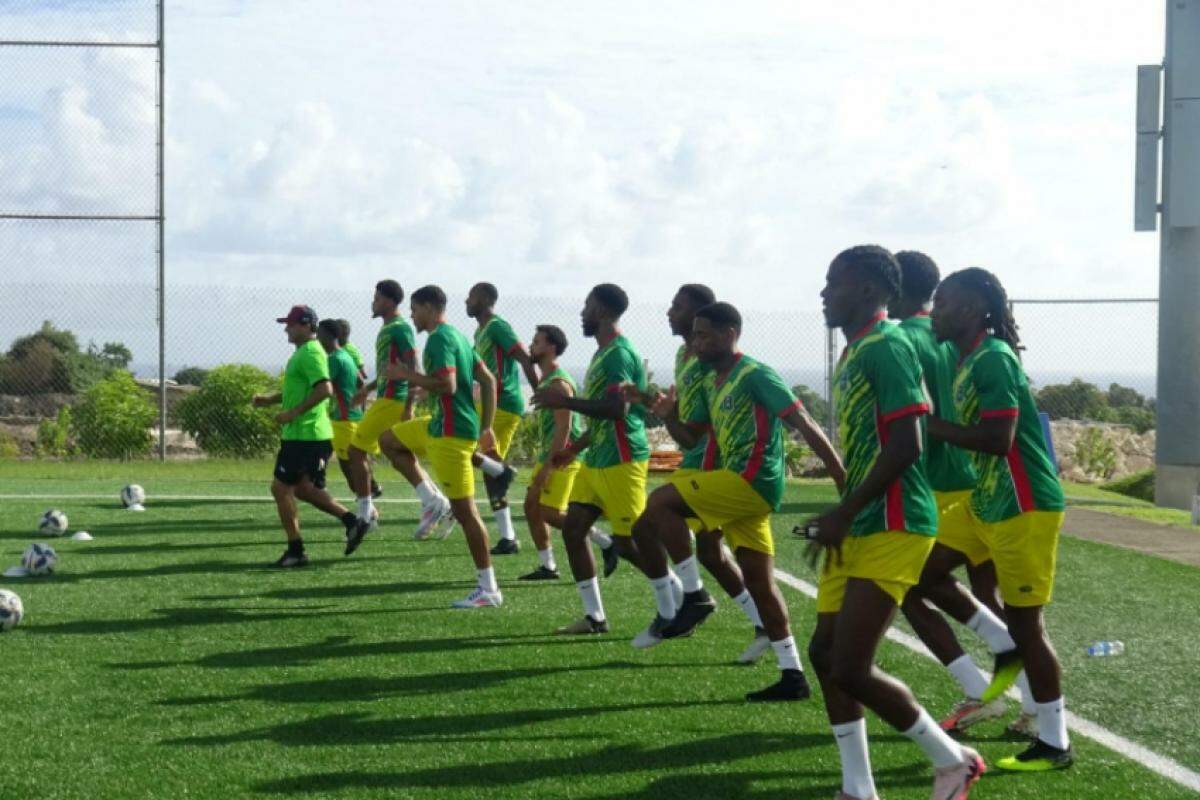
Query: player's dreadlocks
<point>998,317</point>
<point>875,263</point>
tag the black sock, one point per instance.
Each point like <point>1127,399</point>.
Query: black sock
<point>295,546</point>
<point>349,518</point>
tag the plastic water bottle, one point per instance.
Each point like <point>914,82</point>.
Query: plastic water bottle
<point>1106,649</point>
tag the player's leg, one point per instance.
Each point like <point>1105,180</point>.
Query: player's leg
<point>757,564</point>
<point>382,414</point>
<point>289,517</point>
<point>539,519</point>
<point>582,514</point>
<point>498,477</point>
<point>716,558</point>
<point>846,715</point>
<point>402,445</point>
<point>661,533</point>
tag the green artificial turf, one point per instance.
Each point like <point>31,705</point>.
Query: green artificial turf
<point>165,659</point>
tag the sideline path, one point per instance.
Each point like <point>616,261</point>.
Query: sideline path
<point>1164,541</point>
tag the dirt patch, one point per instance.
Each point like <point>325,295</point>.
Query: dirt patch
<point>1163,541</point>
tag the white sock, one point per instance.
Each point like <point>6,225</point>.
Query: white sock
<point>504,522</point>
<point>786,653</point>
<point>589,593</point>
<point>1052,724</point>
<point>1028,704</point>
<point>547,558</point>
<point>676,587</point>
<point>688,571</point>
<point>991,630</point>
<point>940,748</point>
<point>746,603</point>
<point>427,492</point>
<point>664,596</point>
<point>602,539</point>
<point>968,676</point>
<point>487,580</point>
<point>491,467</point>
<point>365,507</point>
<point>856,760</point>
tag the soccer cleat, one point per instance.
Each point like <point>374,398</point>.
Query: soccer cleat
<point>1040,757</point>
<point>290,559</point>
<point>968,712</point>
<point>758,645</point>
<point>583,626</point>
<point>479,598</point>
<point>612,559</point>
<point>653,634</point>
<point>506,547</point>
<point>695,608</point>
<point>1008,667</point>
<point>431,516</point>
<point>845,796</point>
<point>355,537</point>
<point>542,573</point>
<point>376,490</point>
<point>954,783</point>
<point>792,685</point>
<point>1025,724</point>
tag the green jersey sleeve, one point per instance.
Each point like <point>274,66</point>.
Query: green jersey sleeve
<point>770,392</point>
<point>895,374</point>
<point>504,336</point>
<point>313,366</point>
<point>439,356</point>
<point>998,381</point>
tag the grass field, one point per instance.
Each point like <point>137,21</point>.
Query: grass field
<point>165,659</point>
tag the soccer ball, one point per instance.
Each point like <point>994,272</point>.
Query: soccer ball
<point>133,495</point>
<point>53,523</point>
<point>11,610</point>
<point>39,559</point>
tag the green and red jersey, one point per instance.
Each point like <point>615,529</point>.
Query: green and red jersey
<point>745,409</point>
<point>689,395</point>
<point>622,440</point>
<point>545,416</point>
<point>495,343</point>
<point>454,415</point>
<point>359,363</point>
<point>877,381</point>
<point>343,373</point>
<point>395,340</point>
<point>307,366</point>
<point>990,384</point>
<point>948,468</point>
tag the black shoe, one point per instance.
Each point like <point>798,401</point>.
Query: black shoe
<point>292,559</point>
<point>612,559</point>
<point>792,685</point>
<point>583,627</point>
<point>542,573</point>
<point>696,607</point>
<point>355,534</point>
<point>506,547</point>
<point>376,490</point>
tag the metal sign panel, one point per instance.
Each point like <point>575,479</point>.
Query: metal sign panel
<point>1145,175</point>
<point>1183,139</point>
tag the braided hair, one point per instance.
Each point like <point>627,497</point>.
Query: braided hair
<point>998,316</point>
<point>876,264</point>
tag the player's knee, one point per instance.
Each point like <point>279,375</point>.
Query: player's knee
<point>709,551</point>
<point>531,506</point>
<point>280,490</point>
<point>818,655</point>
<point>849,673</point>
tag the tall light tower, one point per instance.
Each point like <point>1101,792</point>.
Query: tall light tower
<point>1177,83</point>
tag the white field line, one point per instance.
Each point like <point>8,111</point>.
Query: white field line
<point>265,497</point>
<point>1166,767</point>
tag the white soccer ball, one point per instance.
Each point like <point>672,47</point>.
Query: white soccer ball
<point>133,495</point>
<point>39,559</point>
<point>11,610</point>
<point>53,523</point>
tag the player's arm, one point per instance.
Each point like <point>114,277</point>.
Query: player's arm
<point>562,423</point>
<point>611,406</point>
<point>799,420</point>
<point>440,382</point>
<point>687,434</point>
<point>521,356</point>
<point>273,399</point>
<point>487,403</point>
<point>571,451</point>
<point>998,380</point>
<point>410,359</point>
<point>364,391</point>
<point>322,390</point>
<point>993,434</point>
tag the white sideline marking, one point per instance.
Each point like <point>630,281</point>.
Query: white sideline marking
<point>1166,767</point>
<point>232,498</point>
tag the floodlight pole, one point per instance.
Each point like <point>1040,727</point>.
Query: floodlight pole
<point>162,224</point>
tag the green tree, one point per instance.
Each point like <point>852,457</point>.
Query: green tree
<point>113,419</point>
<point>219,415</point>
<point>190,376</point>
<point>1075,400</point>
<point>1123,397</point>
<point>818,409</point>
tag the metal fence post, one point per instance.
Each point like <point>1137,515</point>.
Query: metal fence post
<point>162,224</point>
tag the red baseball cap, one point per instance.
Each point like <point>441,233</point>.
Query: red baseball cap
<point>299,315</point>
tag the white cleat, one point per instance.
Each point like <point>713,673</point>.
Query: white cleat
<point>431,515</point>
<point>1025,724</point>
<point>968,712</point>
<point>760,644</point>
<point>954,783</point>
<point>652,635</point>
<point>479,598</point>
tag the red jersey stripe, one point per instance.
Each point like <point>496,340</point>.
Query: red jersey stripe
<point>624,452</point>
<point>709,461</point>
<point>499,372</point>
<point>893,498</point>
<point>390,385</point>
<point>1020,478</point>
<point>1000,413</point>
<point>796,406</point>
<point>907,411</point>
<point>447,401</point>
<point>762,429</point>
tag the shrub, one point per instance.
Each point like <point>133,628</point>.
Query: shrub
<point>524,447</point>
<point>54,435</point>
<point>1075,400</point>
<point>220,418</point>
<point>817,408</point>
<point>1095,454</point>
<point>794,456</point>
<point>9,447</point>
<point>37,368</point>
<point>190,376</point>
<point>1139,485</point>
<point>113,419</point>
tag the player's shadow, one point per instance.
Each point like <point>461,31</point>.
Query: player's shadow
<point>341,592</point>
<point>161,547</point>
<point>197,568</point>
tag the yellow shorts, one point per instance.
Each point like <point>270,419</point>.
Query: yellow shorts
<point>958,528</point>
<point>618,491</point>
<point>413,434</point>
<point>556,491</point>
<point>381,415</point>
<point>1025,550</point>
<point>893,560</point>
<point>694,524</point>
<point>343,435</point>
<point>504,427</point>
<point>723,499</point>
<point>450,459</point>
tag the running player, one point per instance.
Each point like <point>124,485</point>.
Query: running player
<point>878,537</point>
<point>745,405</point>
<point>305,447</point>
<point>612,480</point>
<point>497,345</point>
<point>449,437</point>
<point>1018,498</point>
<point>343,328</point>
<point>952,477</point>
<point>345,378</point>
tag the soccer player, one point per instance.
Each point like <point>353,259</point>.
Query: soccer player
<point>746,404</point>
<point>612,480</point>
<point>1018,499</point>
<point>346,379</point>
<point>305,445</point>
<point>878,537</point>
<point>343,338</point>
<point>952,477</point>
<point>449,437</point>
<point>497,345</point>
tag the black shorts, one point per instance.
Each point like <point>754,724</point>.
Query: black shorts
<point>299,459</point>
